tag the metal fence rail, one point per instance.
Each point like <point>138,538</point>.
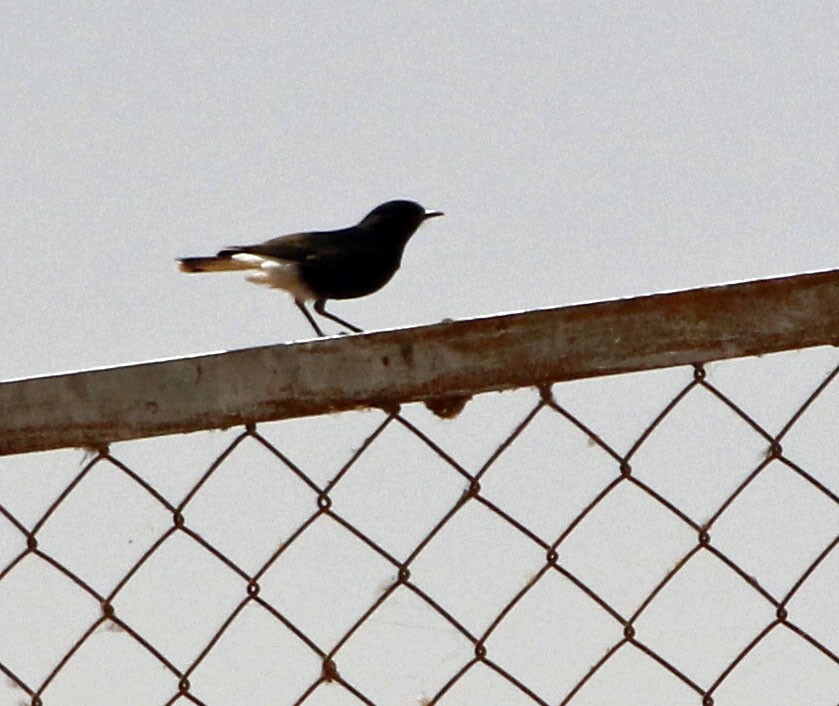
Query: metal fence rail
<point>524,551</point>
<point>453,359</point>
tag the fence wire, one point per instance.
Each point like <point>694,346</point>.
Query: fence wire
<point>525,552</point>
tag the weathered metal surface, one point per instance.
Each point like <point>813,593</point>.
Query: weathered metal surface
<point>447,360</point>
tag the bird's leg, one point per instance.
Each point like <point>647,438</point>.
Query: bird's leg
<point>319,307</point>
<point>302,307</point>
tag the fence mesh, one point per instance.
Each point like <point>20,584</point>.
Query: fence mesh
<point>660,537</point>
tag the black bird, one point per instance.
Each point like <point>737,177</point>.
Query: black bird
<point>320,265</point>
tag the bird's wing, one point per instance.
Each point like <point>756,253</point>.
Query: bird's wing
<point>296,247</point>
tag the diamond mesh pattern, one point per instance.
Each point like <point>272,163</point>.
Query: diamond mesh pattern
<point>531,553</point>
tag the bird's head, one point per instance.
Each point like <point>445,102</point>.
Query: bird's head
<point>401,218</point>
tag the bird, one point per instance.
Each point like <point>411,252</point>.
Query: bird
<point>318,266</point>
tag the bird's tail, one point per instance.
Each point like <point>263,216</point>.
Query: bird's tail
<point>214,263</point>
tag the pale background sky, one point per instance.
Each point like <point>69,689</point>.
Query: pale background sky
<point>580,150</point>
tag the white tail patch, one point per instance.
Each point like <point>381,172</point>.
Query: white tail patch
<point>277,274</point>
<point>254,261</point>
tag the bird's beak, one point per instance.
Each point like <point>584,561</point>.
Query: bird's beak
<point>432,214</point>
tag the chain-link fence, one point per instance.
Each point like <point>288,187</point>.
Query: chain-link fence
<point>659,537</point>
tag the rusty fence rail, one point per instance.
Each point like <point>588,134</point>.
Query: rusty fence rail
<point>637,519</point>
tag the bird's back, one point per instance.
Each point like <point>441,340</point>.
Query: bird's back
<point>337,264</point>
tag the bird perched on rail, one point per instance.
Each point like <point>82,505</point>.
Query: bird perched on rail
<point>320,265</point>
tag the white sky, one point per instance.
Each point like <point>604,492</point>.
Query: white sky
<point>580,150</point>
